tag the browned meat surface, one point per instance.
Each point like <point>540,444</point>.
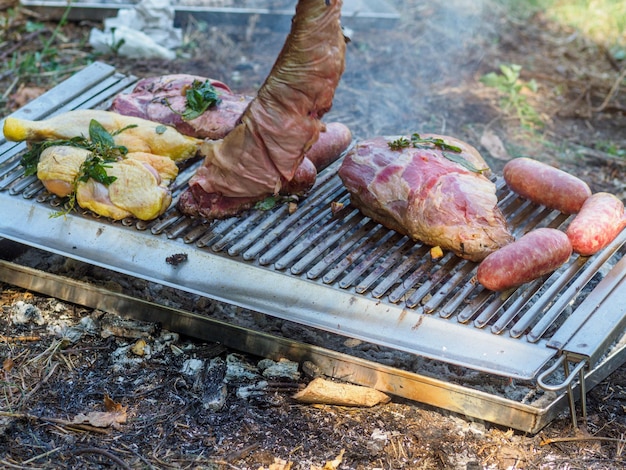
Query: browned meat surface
<point>262,154</point>
<point>425,194</point>
<point>163,99</point>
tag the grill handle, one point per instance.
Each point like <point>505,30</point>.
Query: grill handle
<point>577,371</point>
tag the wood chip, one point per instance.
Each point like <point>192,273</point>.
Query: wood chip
<point>322,391</point>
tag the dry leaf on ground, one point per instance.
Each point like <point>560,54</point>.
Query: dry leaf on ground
<point>25,94</point>
<point>494,145</point>
<point>114,415</point>
<point>331,464</point>
<point>279,464</point>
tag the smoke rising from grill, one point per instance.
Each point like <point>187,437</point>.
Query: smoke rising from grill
<point>393,86</point>
<point>390,85</point>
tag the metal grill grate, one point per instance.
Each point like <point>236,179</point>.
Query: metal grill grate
<point>339,271</point>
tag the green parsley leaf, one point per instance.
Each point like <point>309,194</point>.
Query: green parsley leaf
<point>200,97</point>
<point>95,168</point>
<point>463,162</point>
<point>267,203</point>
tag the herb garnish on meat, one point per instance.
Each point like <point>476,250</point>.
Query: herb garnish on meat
<point>199,97</point>
<point>434,142</point>
<point>103,152</point>
<point>421,143</point>
<point>100,143</point>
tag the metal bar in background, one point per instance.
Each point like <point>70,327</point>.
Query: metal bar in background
<point>376,14</point>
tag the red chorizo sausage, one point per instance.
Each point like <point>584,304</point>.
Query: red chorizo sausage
<point>539,252</point>
<point>330,145</point>
<point>546,185</point>
<point>599,221</point>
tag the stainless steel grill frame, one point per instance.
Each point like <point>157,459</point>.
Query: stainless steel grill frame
<point>338,272</point>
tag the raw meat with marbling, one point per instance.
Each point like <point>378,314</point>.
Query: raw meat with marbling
<point>427,194</point>
<point>163,99</point>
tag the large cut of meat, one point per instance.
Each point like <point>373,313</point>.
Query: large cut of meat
<point>432,195</point>
<point>163,99</point>
<point>261,156</point>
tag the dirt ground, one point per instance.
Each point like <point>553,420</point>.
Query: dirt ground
<point>421,75</point>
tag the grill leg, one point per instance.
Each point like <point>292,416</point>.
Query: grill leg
<point>578,371</point>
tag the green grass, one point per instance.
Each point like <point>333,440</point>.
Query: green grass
<point>40,58</point>
<point>603,21</point>
<point>513,101</point>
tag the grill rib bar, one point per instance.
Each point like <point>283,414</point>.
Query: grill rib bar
<point>268,220</point>
<point>387,244</point>
<point>510,313</point>
<point>296,235</point>
<point>306,244</point>
<point>390,260</point>
<point>396,275</point>
<point>450,286</point>
<point>421,269</point>
<point>556,281</point>
<point>212,233</point>
<point>347,225</point>
<point>368,228</point>
<point>363,245</point>
<point>291,229</point>
<point>459,298</point>
<point>435,277</point>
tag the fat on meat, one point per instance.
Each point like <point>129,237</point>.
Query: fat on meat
<point>263,153</point>
<point>427,194</point>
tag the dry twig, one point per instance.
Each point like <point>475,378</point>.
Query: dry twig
<point>581,438</point>
<point>61,422</point>
<point>612,92</point>
<point>17,339</point>
<point>105,453</point>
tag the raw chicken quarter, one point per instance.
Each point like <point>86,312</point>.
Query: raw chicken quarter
<point>425,194</point>
<point>139,190</point>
